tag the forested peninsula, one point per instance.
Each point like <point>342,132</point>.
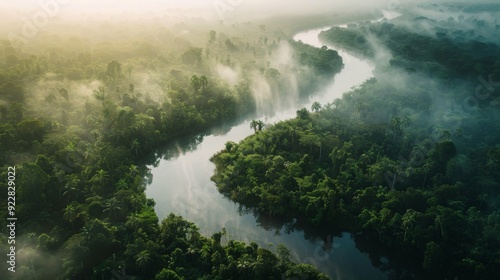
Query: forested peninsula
<point>408,160</point>
<point>83,115</point>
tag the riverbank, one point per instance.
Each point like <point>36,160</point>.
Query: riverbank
<point>293,25</point>
<point>411,183</point>
<point>182,185</point>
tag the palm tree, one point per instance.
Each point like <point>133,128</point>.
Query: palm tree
<point>438,221</point>
<point>408,221</point>
<point>316,106</point>
<point>112,206</point>
<point>100,94</point>
<point>114,70</point>
<point>257,266</point>
<point>321,138</point>
<point>406,140</point>
<point>69,190</point>
<point>229,146</point>
<point>134,170</point>
<point>136,201</point>
<point>134,222</point>
<point>139,125</point>
<point>260,125</point>
<point>426,168</point>
<point>115,136</point>
<point>397,125</point>
<point>395,175</point>
<point>225,234</point>
<point>163,117</point>
<point>136,145</point>
<point>122,184</point>
<point>70,214</point>
<point>243,265</point>
<point>100,177</point>
<point>254,125</point>
<point>203,82</point>
<point>195,83</point>
<point>143,259</point>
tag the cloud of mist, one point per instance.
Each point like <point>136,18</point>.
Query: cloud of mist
<point>227,74</point>
<point>230,10</point>
<point>274,93</point>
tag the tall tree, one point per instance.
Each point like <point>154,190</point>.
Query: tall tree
<point>203,82</point>
<point>253,125</point>
<point>257,125</point>
<point>70,214</point>
<point>316,106</point>
<point>260,125</point>
<point>64,93</point>
<point>114,70</point>
<point>135,146</point>
<point>195,83</point>
<point>142,260</point>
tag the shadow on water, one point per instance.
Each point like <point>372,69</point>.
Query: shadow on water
<point>282,225</point>
<point>330,239</point>
<point>182,185</point>
<point>189,142</point>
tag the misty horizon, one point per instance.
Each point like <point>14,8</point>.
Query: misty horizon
<point>250,139</point>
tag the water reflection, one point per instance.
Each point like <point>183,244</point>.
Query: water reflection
<point>182,185</point>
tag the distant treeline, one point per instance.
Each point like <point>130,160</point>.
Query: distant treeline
<point>80,122</point>
<point>400,161</point>
<point>448,53</point>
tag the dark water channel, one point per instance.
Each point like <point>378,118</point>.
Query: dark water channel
<point>181,184</point>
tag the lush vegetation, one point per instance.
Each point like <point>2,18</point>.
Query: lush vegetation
<point>82,117</point>
<point>406,160</point>
<point>454,49</point>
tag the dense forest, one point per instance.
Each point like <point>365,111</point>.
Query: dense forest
<point>407,160</point>
<point>82,116</point>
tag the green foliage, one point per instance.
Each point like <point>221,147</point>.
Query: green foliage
<point>80,122</point>
<point>325,61</point>
<point>83,117</point>
<point>167,274</point>
<point>192,56</point>
<point>12,92</point>
<point>373,162</point>
<point>443,57</point>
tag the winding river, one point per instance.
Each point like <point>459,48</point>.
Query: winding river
<point>181,184</point>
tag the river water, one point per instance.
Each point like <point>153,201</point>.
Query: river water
<point>181,184</point>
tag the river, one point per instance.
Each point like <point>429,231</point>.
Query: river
<point>182,185</point>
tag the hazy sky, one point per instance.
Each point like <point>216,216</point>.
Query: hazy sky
<point>206,8</point>
<point>215,9</point>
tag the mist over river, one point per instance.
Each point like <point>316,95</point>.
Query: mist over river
<point>182,185</point>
